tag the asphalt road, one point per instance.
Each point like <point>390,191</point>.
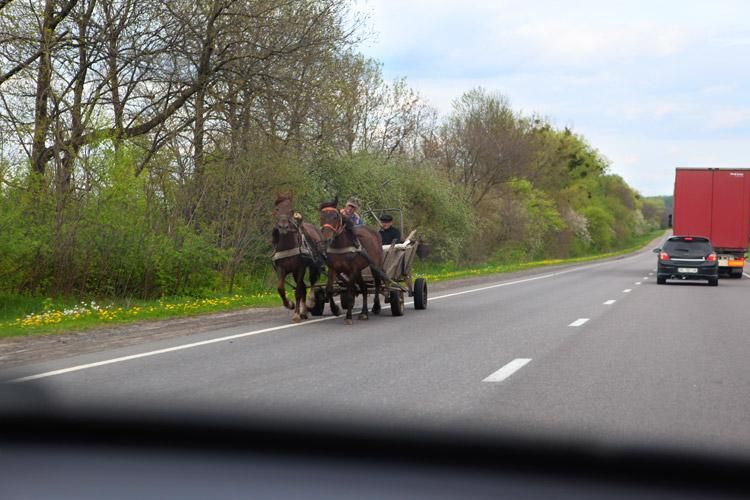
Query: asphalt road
<point>597,350</point>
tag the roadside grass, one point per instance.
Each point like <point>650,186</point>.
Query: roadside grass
<point>39,316</point>
<point>26,316</point>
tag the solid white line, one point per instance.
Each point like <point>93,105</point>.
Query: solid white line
<point>579,322</point>
<point>748,275</point>
<point>627,290</point>
<point>162,351</point>
<point>609,302</point>
<point>473,290</point>
<point>284,327</point>
<point>544,276</point>
<point>507,370</point>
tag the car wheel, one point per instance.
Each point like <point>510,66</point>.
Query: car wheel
<point>713,282</point>
<point>661,281</point>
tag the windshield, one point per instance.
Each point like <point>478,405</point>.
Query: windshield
<point>436,213</point>
<point>694,247</point>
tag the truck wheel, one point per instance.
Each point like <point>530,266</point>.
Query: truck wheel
<point>397,303</point>
<point>736,273</point>
<point>420,293</point>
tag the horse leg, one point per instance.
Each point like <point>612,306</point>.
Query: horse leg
<point>376,299</point>
<point>281,287</point>
<point>299,294</point>
<point>350,301</point>
<point>329,292</point>
<point>363,287</point>
<point>314,276</point>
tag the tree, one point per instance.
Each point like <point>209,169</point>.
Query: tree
<point>483,144</point>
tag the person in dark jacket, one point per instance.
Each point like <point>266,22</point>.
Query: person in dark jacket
<point>388,233</point>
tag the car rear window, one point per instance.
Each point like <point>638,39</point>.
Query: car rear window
<point>696,247</point>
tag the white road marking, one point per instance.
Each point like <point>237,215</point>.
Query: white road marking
<point>650,274</point>
<point>748,275</point>
<point>292,325</point>
<point>645,278</point>
<point>609,302</point>
<point>162,351</point>
<point>627,290</point>
<point>507,370</point>
<point>637,282</point>
<point>579,322</point>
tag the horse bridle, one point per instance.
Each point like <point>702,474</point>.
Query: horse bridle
<point>292,224</point>
<point>339,227</point>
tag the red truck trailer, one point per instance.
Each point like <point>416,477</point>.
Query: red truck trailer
<point>715,203</point>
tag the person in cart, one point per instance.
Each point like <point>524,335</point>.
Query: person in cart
<point>388,233</point>
<point>350,211</point>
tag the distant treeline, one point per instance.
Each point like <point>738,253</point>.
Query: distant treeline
<point>142,143</point>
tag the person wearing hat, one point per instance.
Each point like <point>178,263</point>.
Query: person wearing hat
<point>350,211</point>
<point>388,233</point>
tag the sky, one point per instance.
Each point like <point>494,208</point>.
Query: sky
<point>651,85</point>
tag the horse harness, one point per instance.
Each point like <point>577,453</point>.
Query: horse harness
<point>303,248</point>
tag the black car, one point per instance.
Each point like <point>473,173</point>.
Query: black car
<point>687,258</point>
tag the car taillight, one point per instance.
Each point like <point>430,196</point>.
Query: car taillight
<point>711,257</point>
<point>663,256</point>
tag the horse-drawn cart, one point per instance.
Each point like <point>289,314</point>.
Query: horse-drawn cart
<point>397,266</point>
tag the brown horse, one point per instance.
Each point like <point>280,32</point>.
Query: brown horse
<point>297,247</point>
<point>350,249</point>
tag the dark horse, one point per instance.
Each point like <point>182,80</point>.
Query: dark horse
<point>297,247</point>
<point>350,249</point>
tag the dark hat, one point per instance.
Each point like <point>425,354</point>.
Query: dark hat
<point>386,218</point>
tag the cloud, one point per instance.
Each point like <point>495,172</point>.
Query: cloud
<point>652,85</point>
<point>563,43</point>
<point>729,118</point>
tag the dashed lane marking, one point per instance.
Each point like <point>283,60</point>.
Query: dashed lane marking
<point>609,302</point>
<point>507,370</point>
<point>579,322</point>
<point>627,290</point>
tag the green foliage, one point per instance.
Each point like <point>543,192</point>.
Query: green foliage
<point>600,225</point>
<point>429,201</point>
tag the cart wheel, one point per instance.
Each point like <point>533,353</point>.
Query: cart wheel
<point>397,303</point>
<point>420,293</point>
<point>320,302</point>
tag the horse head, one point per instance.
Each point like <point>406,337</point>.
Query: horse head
<point>331,220</point>
<point>283,212</point>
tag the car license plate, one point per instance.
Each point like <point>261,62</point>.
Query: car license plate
<point>687,270</point>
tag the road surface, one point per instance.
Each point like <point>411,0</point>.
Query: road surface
<point>596,350</point>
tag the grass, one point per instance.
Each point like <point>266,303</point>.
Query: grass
<point>25,316</point>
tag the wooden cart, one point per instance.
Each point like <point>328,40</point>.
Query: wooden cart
<point>397,265</point>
